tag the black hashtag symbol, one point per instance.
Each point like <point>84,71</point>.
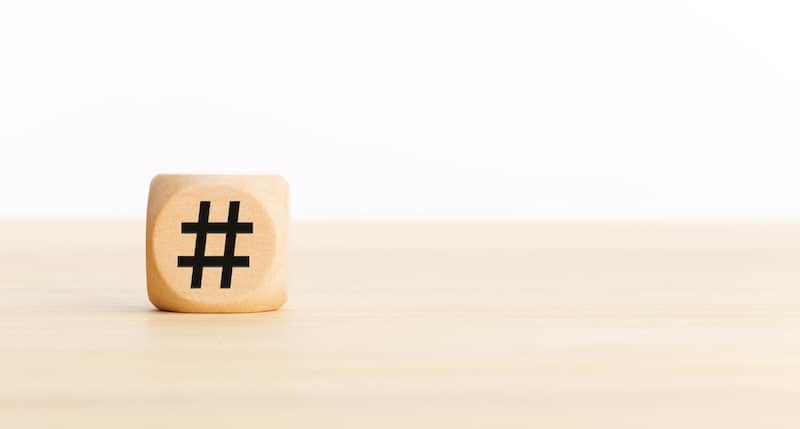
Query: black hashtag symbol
<point>202,228</point>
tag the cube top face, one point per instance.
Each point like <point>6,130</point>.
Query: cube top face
<point>217,243</point>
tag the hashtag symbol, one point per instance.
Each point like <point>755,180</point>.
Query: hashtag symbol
<point>202,228</point>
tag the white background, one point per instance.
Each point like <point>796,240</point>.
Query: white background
<point>417,110</point>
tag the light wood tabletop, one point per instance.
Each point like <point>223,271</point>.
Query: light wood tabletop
<point>567,326</point>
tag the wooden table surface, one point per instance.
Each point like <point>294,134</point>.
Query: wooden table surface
<point>567,326</point>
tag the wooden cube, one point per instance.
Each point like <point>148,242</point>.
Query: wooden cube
<point>217,244</point>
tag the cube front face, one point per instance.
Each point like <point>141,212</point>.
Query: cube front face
<point>217,243</point>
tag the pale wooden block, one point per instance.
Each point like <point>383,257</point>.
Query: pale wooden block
<point>217,244</point>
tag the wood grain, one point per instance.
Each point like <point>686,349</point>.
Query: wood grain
<point>177,276</point>
<point>623,326</point>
